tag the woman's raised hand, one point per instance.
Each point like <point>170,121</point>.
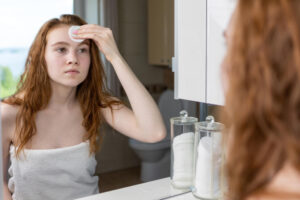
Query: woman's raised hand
<point>102,36</point>
<point>144,121</point>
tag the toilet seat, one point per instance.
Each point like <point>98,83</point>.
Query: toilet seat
<point>156,157</point>
<point>149,146</point>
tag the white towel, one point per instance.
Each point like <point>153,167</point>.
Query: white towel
<point>183,146</point>
<point>53,174</point>
<point>208,168</point>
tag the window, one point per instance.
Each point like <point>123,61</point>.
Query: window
<point>20,22</point>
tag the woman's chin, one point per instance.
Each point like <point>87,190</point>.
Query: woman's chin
<point>68,83</point>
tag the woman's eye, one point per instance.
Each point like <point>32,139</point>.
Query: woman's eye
<point>83,50</point>
<point>61,50</point>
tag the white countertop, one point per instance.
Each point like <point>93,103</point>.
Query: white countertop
<point>154,190</point>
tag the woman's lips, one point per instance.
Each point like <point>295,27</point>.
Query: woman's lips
<point>72,71</point>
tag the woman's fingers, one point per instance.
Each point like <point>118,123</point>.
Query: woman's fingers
<point>86,26</point>
<point>91,35</point>
<point>96,37</point>
<point>94,32</point>
<point>102,36</point>
<point>91,28</point>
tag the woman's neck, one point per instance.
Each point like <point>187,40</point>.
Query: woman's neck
<point>284,186</point>
<point>287,180</point>
<point>62,97</point>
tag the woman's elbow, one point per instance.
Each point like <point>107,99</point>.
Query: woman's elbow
<point>158,135</point>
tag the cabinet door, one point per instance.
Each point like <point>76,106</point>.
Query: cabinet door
<point>189,62</point>
<point>200,48</point>
<point>218,16</point>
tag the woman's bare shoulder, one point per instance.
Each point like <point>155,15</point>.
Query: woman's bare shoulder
<point>8,120</point>
<point>8,113</point>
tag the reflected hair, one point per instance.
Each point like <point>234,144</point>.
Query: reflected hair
<point>262,109</point>
<point>34,89</point>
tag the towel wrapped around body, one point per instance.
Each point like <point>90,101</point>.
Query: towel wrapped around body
<point>53,174</point>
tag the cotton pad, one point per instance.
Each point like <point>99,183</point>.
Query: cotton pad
<point>71,35</point>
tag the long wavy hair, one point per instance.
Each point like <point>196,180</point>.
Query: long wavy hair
<point>34,89</point>
<point>262,106</point>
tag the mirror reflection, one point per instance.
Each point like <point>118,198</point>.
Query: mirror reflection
<point>76,122</point>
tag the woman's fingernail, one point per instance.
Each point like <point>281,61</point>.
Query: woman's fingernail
<point>75,32</point>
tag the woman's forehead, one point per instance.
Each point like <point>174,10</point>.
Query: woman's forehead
<point>60,34</point>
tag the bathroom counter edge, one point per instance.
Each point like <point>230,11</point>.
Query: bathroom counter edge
<point>157,189</point>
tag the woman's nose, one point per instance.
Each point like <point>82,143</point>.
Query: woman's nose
<point>72,58</point>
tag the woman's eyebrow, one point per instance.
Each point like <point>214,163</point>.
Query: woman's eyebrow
<point>60,43</point>
<point>86,42</point>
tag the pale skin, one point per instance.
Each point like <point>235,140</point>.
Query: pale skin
<point>59,124</point>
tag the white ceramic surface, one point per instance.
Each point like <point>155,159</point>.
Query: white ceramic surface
<point>153,190</point>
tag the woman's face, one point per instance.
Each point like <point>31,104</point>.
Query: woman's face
<point>67,61</point>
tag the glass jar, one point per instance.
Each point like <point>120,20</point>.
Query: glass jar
<point>182,150</point>
<point>208,159</point>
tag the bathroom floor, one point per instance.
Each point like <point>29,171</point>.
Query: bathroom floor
<point>119,179</point>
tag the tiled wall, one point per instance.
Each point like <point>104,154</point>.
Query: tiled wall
<point>133,40</point>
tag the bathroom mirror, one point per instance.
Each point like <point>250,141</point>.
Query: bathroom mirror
<point>1,166</point>
<point>118,163</point>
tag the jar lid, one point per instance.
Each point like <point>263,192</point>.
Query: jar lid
<point>184,119</point>
<point>209,124</point>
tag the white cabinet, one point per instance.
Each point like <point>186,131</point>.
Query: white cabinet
<point>218,16</point>
<point>200,48</point>
<point>190,50</point>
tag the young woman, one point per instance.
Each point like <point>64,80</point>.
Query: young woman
<point>262,68</point>
<point>50,126</point>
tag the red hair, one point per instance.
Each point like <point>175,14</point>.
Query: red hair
<point>34,89</point>
<point>262,109</point>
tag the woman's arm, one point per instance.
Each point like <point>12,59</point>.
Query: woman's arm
<point>8,114</point>
<point>144,121</point>
<point>6,192</point>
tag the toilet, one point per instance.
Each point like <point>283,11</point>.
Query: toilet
<point>156,157</point>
